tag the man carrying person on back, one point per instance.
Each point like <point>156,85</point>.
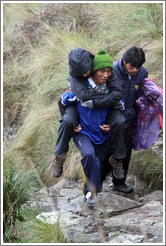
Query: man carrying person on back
<point>92,139</point>
<point>80,61</point>
<point>130,73</point>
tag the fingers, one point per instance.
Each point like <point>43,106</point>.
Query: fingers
<point>105,128</point>
<point>77,129</point>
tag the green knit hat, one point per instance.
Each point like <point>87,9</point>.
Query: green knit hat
<point>102,60</point>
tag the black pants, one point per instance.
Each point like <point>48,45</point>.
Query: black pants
<point>128,136</point>
<point>68,122</point>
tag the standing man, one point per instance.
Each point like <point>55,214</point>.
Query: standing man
<point>131,73</point>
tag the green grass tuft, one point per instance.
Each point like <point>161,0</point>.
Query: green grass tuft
<point>18,187</point>
<point>148,167</point>
<point>35,230</point>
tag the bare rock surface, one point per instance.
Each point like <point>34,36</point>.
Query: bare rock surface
<point>117,217</point>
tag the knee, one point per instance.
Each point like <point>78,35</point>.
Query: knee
<point>88,154</point>
<point>92,160</point>
<point>67,125</point>
<point>69,121</point>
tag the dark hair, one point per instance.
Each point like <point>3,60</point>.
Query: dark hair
<point>135,56</point>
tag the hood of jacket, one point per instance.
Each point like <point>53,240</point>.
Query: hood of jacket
<point>80,62</point>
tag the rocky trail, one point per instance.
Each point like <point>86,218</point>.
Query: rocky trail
<point>117,217</point>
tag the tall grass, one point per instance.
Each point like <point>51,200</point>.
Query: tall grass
<point>148,167</point>
<point>122,25</point>
<point>36,64</point>
<point>35,230</point>
<point>18,187</point>
<point>52,30</point>
<point>37,39</point>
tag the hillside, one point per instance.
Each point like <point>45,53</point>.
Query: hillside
<point>37,38</point>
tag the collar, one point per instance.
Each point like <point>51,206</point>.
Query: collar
<point>91,82</point>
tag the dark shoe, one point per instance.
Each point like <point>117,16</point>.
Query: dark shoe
<point>89,200</point>
<point>117,166</point>
<point>57,166</point>
<point>122,187</point>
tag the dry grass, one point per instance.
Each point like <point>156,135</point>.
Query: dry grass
<point>35,76</point>
<point>37,40</point>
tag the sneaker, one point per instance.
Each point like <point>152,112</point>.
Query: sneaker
<point>117,166</point>
<point>122,187</point>
<point>86,188</point>
<point>57,166</point>
<point>89,201</point>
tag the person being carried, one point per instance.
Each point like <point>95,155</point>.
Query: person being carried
<point>80,61</point>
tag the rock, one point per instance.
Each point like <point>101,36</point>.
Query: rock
<point>127,238</point>
<point>66,218</point>
<point>63,183</point>
<point>154,196</point>
<point>115,218</point>
<point>70,193</point>
<point>139,220</point>
<point>117,204</point>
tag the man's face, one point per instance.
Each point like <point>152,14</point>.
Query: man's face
<point>130,69</point>
<point>86,74</point>
<point>101,76</point>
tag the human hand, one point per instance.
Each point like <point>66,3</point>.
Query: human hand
<point>105,128</point>
<point>77,129</point>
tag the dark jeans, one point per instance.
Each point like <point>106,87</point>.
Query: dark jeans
<point>66,130</point>
<point>128,136</point>
<point>117,141</point>
<point>92,161</point>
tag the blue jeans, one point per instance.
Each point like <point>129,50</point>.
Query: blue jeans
<point>92,161</point>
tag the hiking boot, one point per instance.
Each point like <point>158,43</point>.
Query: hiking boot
<point>122,187</point>
<point>117,166</point>
<point>57,166</point>
<point>89,201</point>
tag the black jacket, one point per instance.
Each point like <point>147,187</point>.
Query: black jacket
<point>129,89</point>
<point>80,61</point>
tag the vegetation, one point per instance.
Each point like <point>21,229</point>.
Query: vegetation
<point>40,231</point>
<point>149,167</point>
<point>36,42</point>
<point>18,186</point>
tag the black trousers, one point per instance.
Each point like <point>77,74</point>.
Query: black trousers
<point>128,136</point>
<point>68,122</point>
